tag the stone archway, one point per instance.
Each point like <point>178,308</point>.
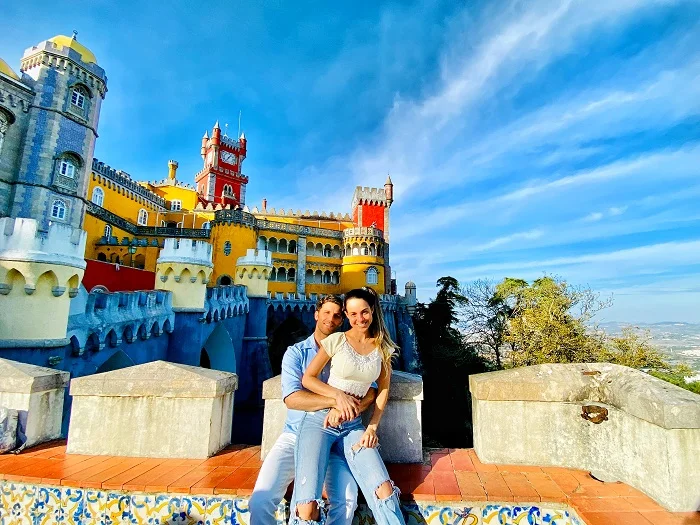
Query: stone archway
<point>218,351</point>
<point>282,335</point>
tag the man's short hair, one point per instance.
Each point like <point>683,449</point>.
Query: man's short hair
<point>329,298</point>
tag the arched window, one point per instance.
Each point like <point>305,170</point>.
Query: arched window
<point>292,247</point>
<point>228,190</point>
<point>142,218</point>
<point>227,248</point>
<point>175,205</point>
<point>98,196</point>
<point>101,257</point>
<point>327,250</point>
<point>58,210</point>
<point>206,226</point>
<point>291,275</point>
<point>78,97</point>
<point>108,231</point>
<point>372,276</point>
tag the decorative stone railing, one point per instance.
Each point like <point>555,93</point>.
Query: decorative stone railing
<point>147,231</point>
<point>110,318</point>
<point>264,224</point>
<point>617,422</point>
<point>400,431</point>
<point>368,231</point>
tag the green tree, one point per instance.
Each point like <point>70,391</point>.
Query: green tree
<point>548,322</point>
<point>447,362</point>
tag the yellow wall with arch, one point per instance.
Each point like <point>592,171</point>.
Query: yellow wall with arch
<point>241,239</point>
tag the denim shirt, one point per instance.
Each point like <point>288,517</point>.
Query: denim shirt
<point>295,361</point>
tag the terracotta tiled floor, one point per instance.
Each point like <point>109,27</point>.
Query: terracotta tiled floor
<point>451,475</point>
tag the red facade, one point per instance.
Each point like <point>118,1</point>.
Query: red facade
<point>116,277</point>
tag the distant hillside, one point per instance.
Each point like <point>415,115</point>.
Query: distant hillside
<point>679,341</point>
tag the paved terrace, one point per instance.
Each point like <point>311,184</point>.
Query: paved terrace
<point>445,476</point>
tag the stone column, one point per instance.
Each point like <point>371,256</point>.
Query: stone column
<point>37,394</point>
<point>253,271</point>
<point>301,266</point>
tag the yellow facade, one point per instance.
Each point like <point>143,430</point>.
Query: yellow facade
<point>331,264</point>
<point>44,290</point>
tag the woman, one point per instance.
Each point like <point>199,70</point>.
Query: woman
<point>359,357</point>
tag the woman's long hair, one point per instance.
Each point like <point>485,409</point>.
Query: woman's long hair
<point>377,328</point>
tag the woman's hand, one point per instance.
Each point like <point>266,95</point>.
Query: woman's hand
<point>369,438</point>
<point>333,418</point>
<point>348,406</point>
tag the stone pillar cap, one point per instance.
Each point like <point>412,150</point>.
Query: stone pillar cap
<point>157,379</point>
<point>403,386</point>
<point>23,378</point>
<point>637,393</point>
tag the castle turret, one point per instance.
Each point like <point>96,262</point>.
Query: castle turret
<point>411,297</point>
<point>364,255</point>
<point>40,271</point>
<point>253,270</point>
<point>184,268</point>
<point>56,155</point>
<point>389,191</point>
<point>205,142</point>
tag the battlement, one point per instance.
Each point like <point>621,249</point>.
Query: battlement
<point>365,195</point>
<point>31,58</point>
<point>172,182</point>
<point>223,302</point>
<point>22,240</point>
<point>186,251</point>
<point>255,258</point>
<point>110,318</point>
<point>364,231</point>
<point>125,180</point>
<point>271,212</point>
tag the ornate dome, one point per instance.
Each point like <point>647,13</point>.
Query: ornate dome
<point>410,284</point>
<point>7,70</point>
<point>62,41</point>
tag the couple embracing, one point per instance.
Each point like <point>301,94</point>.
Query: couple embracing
<point>324,439</point>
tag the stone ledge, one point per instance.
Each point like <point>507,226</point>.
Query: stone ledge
<point>156,379</point>
<point>23,378</point>
<point>629,390</point>
<point>403,386</point>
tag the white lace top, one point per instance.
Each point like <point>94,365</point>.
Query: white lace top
<point>351,372</point>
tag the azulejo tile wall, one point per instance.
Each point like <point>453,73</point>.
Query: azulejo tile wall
<point>22,504</point>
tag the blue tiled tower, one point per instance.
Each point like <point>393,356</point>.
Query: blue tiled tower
<point>55,155</point>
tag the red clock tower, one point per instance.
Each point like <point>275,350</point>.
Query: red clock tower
<point>221,181</point>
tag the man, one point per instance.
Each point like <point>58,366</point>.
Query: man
<point>277,471</point>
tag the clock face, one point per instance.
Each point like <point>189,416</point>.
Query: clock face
<point>228,157</point>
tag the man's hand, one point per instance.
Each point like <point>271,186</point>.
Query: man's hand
<point>333,418</point>
<point>348,406</point>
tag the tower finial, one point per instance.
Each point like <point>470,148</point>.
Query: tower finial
<point>216,125</point>
<point>75,35</point>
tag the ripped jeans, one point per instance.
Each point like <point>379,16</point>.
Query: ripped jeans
<point>313,448</point>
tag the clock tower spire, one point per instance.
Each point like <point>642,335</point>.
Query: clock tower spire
<point>221,180</point>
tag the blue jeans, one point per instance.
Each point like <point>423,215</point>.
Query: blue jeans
<point>313,449</point>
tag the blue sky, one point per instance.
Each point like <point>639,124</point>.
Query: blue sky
<point>523,138</point>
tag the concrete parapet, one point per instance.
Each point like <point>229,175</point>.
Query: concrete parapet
<point>400,431</point>
<point>159,409</point>
<point>37,395</point>
<point>614,421</point>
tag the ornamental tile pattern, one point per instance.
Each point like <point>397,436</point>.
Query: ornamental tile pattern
<point>44,485</point>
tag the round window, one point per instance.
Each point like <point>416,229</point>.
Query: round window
<point>227,248</point>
